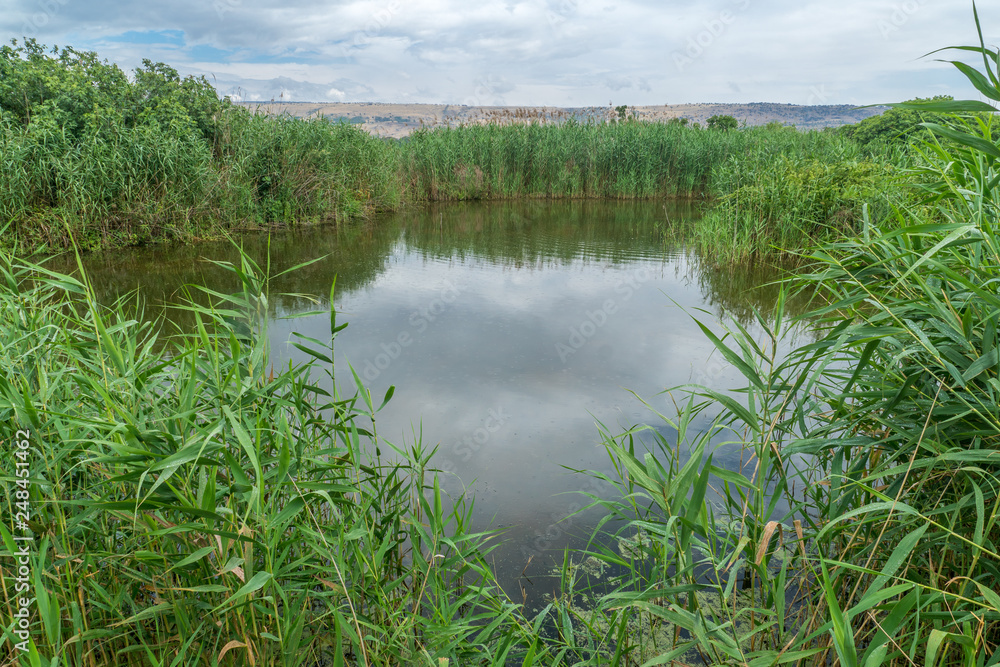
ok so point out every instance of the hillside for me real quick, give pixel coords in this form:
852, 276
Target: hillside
399, 120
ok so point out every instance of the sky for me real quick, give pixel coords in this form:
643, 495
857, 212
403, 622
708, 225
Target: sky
570, 53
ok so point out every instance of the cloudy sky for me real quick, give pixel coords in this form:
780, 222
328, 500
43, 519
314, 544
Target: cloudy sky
529, 52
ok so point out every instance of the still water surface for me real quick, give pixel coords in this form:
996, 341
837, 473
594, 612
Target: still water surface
509, 330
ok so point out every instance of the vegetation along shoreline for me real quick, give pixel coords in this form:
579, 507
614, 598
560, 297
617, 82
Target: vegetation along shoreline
193, 504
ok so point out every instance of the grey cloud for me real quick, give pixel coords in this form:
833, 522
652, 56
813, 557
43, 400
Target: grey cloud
537, 51
627, 83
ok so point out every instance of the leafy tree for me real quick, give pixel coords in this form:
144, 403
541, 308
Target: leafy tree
81, 94
723, 123
65, 86
624, 113
896, 124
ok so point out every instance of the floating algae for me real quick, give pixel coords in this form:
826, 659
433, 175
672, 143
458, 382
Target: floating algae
591, 566
634, 547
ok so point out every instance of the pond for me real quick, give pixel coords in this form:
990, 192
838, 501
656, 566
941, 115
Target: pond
509, 331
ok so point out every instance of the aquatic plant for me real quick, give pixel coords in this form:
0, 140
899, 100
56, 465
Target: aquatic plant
189, 503
863, 522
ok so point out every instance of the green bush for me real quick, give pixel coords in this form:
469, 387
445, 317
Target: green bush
116, 160
722, 123
83, 95
900, 123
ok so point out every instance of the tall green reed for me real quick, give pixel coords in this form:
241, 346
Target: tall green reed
862, 525
193, 504
765, 189
91, 154
574, 159
111, 161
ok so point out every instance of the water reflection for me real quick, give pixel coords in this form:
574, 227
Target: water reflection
508, 330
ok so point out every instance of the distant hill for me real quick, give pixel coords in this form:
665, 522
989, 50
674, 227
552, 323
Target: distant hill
398, 120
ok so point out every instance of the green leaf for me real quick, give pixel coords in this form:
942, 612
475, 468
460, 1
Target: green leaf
193, 558
284, 461
334, 329
980, 365
287, 513
356, 534
991, 596
388, 395
888, 626
733, 358
843, 635
150, 612
258, 581
934, 642
245, 442
205, 588
696, 504
966, 139
957, 232
366, 395
902, 551
900, 507
235, 469
977, 79
322, 356
734, 407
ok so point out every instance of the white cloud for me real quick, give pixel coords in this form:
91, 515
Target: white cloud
558, 52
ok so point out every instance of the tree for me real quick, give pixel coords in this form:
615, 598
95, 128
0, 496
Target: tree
723, 123
625, 113
82, 94
896, 124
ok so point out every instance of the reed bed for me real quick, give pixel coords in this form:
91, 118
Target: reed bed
192, 504
765, 191
791, 203
863, 526
115, 160
631, 159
